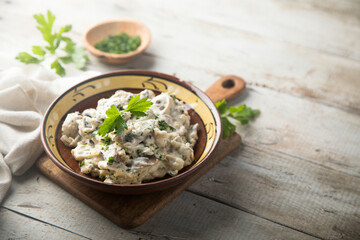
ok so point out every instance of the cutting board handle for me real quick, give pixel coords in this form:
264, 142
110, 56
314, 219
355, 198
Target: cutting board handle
227, 87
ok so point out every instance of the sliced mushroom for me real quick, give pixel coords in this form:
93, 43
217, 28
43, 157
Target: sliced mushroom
70, 126
69, 141
84, 151
162, 104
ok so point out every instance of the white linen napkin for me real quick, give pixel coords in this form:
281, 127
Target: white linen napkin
25, 94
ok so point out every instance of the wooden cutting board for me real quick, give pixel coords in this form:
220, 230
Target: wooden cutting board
129, 211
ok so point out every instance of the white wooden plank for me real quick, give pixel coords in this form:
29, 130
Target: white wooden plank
288, 190
224, 36
306, 23
306, 48
304, 129
187, 217
198, 218
28, 229
261, 58
320, 25
263, 61
34, 195
284, 172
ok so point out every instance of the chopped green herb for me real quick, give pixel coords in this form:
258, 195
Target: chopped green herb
128, 170
82, 163
102, 178
84, 143
106, 140
240, 113
111, 159
163, 125
139, 151
119, 44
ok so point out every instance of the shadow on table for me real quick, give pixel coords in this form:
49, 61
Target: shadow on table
190, 216
145, 61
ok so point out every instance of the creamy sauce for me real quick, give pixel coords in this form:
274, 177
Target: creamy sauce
154, 145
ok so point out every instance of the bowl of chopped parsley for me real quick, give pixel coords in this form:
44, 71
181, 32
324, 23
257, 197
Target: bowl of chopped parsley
117, 41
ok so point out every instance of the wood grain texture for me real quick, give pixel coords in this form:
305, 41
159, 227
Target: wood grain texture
265, 42
197, 218
291, 192
131, 211
304, 129
300, 162
187, 217
25, 231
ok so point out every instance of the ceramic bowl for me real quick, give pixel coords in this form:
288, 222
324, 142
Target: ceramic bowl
111, 27
86, 94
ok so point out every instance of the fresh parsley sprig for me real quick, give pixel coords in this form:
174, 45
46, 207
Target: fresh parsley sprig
70, 52
115, 121
240, 113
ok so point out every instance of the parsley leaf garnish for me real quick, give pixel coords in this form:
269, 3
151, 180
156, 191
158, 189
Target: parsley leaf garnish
115, 121
106, 140
138, 106
240, 113
70, 53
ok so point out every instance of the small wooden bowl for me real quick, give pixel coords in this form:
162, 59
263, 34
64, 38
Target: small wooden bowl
111, 27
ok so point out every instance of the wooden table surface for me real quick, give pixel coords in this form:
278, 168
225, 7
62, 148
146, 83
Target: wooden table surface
297, 174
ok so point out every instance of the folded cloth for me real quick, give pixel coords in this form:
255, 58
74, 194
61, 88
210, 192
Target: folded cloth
25, 94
